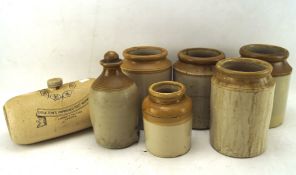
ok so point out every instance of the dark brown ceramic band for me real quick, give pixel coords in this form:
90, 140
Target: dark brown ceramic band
200, 56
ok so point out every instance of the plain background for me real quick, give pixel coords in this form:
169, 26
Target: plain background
59, 38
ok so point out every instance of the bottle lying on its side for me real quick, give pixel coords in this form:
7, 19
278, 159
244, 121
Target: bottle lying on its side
48, 113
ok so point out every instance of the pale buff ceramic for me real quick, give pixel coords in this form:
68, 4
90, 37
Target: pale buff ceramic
277, 56
194, 69
241, 105
48, 113
146, 65
114, 101
167, 119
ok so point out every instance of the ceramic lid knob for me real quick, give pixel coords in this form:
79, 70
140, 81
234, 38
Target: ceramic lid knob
111, 57
55, 82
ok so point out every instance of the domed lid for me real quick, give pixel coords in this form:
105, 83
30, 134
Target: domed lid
111, 59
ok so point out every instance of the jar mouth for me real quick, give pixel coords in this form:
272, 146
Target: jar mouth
145, 53
244, 67
200, 55
266, 52
167, 90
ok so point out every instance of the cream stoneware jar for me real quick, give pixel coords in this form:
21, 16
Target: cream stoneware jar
146, 65
194, 69
113, 102
277, 57
167, 119
241, 105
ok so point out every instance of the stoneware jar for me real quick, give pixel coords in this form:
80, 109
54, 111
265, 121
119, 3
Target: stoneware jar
241, 104
113, 102
167, 119
146, 65
60, 109
195, 69
277, 56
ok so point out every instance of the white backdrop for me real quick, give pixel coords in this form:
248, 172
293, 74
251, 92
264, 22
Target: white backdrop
43, 39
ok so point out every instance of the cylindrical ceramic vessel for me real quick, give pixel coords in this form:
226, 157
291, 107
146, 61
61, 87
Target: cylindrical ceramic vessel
241, 105
167, 119
55, 111
146, 65
277, 56
113, 102
195, 69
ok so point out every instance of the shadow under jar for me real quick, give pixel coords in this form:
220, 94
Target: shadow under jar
167, 119
146, 65
113, 102
277, 57
195, 69
241, 105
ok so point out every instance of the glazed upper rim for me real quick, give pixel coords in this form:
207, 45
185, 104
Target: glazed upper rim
177, 94
184, 56
266, 68
161, 55
272, 53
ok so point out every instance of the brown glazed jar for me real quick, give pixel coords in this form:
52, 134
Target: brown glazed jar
195, 69
277, 57
146, 65
241, 105
167, 119
113, 102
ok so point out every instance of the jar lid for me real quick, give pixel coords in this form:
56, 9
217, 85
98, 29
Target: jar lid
200, 56
111, 59
54, 82
264, 52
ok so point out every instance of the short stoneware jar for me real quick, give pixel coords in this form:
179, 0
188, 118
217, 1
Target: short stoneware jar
113, 102
146, 65
277, 57
195, 69
241, 105
167, 119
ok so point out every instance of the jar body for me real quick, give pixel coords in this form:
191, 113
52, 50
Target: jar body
114, 116
280, 100
240, 114
198, 88
167, 126
48, 113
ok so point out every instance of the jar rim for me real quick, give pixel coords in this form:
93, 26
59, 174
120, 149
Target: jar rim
267, 52
244, 67
200, 55
167, 90
145, 53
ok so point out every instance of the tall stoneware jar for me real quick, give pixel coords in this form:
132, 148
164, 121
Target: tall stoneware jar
146, 65
241, 104
167, 115
277, 56
113, 102
194, 69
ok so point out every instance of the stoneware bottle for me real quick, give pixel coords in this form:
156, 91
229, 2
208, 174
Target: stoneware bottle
113, 102
241, 104
55, 111
167, 119
146, 65
277, 56
194, 69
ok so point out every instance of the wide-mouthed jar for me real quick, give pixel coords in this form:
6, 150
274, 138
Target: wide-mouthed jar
167, 119
277, 57
241, 105
195, 69
146, 65
113, 102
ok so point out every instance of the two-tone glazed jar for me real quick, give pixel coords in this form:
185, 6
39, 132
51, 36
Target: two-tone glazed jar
195, 69
146, 65
241, 105
277, 57
113, 102
167, 119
